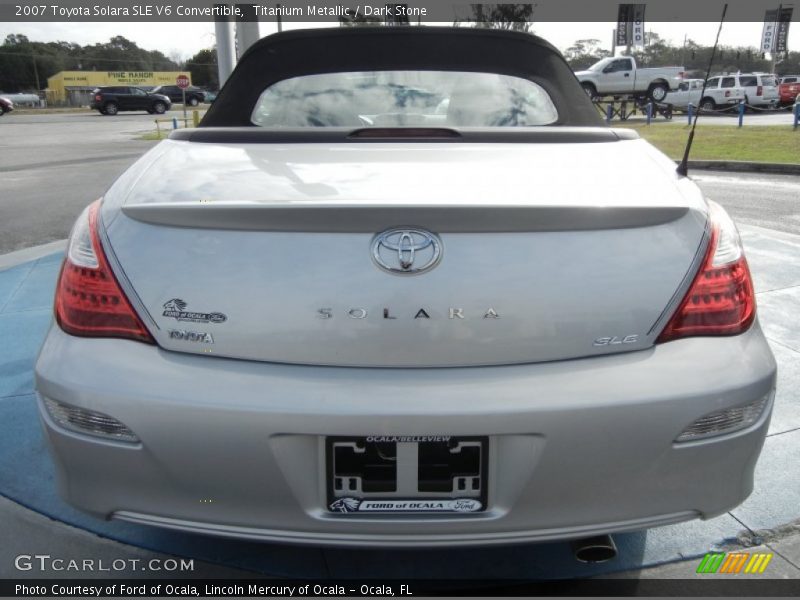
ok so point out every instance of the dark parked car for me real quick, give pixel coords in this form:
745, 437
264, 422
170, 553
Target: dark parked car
194, 96
110, 100
6, 105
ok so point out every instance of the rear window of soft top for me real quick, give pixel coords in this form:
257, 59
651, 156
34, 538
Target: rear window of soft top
404, 99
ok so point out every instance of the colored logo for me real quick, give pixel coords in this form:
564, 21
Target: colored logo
734, 563
457, 505
176, 308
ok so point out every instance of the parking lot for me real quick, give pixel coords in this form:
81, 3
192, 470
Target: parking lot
55, 164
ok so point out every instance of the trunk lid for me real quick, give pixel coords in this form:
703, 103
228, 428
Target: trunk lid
267, 251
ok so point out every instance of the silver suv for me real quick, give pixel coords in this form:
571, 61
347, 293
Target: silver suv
760, 89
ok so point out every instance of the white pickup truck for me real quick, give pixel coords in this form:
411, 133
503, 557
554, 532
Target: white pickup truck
615, 76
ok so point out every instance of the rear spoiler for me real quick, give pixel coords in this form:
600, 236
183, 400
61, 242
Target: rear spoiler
326, 135
330, 217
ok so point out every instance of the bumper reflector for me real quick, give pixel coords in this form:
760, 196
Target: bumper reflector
725, 421
88, 422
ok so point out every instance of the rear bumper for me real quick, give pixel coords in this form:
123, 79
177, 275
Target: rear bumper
761, 101
576, 447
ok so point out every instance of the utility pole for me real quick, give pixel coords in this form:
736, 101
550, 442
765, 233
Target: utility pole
613, 42
247, 28
683, 52
36, 72
226, 47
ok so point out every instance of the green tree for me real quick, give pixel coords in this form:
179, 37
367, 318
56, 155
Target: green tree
26, 65
203, 67
352, 18
584, 53
514, 17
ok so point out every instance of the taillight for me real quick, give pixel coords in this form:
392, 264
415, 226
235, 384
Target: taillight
89, 300
759, 90
98, 97
721, 300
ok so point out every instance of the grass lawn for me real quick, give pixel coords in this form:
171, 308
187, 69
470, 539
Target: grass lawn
724, 142
767, 144
154, 135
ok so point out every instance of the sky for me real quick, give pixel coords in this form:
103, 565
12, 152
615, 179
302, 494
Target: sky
185, 40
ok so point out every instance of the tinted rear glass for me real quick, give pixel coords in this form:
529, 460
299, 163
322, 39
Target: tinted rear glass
748, 81
404, 99
768, 80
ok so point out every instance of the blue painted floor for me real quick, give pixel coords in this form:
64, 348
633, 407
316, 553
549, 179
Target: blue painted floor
26, 472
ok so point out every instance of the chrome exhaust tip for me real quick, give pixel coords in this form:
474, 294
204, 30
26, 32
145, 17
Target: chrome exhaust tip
593, 550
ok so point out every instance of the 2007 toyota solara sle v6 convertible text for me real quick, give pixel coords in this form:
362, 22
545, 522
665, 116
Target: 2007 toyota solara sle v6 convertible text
404, 287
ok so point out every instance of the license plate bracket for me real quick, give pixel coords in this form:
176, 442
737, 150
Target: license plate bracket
406, 474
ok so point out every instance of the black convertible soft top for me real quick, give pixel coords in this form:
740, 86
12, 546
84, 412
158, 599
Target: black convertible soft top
313, 51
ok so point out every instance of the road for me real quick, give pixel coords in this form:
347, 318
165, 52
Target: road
771, 201
54, 165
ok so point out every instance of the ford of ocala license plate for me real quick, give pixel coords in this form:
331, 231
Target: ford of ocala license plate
406, 474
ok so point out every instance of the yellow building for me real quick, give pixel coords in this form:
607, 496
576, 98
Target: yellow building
75, 87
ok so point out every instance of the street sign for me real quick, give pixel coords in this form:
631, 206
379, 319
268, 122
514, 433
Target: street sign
182, 81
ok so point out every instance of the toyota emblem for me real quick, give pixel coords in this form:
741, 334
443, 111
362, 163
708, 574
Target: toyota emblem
405, 250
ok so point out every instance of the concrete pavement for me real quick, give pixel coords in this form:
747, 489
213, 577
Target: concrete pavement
38, 535
53, 165
44, 139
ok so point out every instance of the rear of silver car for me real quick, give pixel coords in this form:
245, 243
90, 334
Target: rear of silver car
761, 90
405, 336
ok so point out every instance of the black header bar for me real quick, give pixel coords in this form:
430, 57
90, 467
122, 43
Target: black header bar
334, 11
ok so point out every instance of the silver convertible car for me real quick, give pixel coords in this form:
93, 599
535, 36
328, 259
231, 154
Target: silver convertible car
404, 287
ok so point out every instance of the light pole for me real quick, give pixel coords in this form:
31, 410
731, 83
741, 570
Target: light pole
247, 29
226, 48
